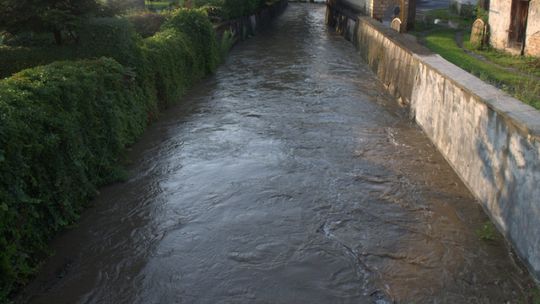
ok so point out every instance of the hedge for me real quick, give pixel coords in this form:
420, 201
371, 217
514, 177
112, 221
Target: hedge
64, 127
183, 52
147, 23
119, 37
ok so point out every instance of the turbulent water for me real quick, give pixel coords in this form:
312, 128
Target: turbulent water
290, 176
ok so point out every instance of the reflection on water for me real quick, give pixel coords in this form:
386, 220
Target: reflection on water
288, 177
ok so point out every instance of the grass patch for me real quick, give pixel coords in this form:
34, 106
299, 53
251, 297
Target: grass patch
487, 232
523, 87
444, 16
525, 64
519, 76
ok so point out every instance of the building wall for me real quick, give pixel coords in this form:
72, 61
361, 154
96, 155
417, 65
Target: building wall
532, 44
499, 22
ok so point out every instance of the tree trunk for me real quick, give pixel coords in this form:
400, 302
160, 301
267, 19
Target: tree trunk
58, 37
411, 15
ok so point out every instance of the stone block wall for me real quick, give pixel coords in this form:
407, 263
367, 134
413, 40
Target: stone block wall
499, 23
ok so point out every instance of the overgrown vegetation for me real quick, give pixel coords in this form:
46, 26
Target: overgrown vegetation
488, 232
68, 116
147, 23
113, 37
65, 125
57, 17
163, 5
62, 130
517, 75
227, 42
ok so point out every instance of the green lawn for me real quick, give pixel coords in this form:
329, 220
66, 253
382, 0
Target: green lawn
517, 75
524, 64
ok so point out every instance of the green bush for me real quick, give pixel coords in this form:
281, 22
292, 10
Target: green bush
111, 37
62, 129
116, 38
182, 53
230, 9
199, 30
15, 59
147, 23
227, 42
64, 126
108, 36
174, 59
238, 8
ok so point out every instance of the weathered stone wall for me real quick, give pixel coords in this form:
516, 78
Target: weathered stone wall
532, 44
490, 139
499, 22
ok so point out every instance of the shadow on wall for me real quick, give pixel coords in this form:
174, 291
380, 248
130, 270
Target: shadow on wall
507, 160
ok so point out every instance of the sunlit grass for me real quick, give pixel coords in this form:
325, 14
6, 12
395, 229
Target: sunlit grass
517, 75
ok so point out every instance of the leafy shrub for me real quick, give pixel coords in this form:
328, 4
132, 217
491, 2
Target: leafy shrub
63, 126
176, 64
108, 36
147, 23
238, 8
15, 59
112, 37
227, 42
199, 30
62, 129
201, 3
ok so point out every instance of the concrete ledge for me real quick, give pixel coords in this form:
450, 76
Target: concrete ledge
490, 139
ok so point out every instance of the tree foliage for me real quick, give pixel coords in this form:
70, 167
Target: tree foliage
64, 126
54, 16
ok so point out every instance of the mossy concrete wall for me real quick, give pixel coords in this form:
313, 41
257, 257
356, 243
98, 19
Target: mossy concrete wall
490, 139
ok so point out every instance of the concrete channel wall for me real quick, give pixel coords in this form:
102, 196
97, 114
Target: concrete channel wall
490, 139
245, 26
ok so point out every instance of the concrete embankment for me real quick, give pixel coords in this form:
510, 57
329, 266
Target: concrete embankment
490, 139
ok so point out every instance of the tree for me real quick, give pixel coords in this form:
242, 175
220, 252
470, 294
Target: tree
125, 5
54, 16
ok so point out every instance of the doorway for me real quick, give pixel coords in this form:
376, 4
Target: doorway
518, 23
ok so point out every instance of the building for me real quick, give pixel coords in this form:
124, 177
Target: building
515, 26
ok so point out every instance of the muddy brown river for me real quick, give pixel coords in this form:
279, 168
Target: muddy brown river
289, 176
